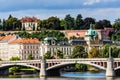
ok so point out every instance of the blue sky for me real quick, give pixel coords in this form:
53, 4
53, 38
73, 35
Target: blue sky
98, 9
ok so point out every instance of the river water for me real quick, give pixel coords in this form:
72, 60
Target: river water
64, 76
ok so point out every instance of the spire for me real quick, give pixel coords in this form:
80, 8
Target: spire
91, 25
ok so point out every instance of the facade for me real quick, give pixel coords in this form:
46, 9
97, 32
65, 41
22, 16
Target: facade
4, 47
51, 44
12, 46
103, 33
29, 23
24, 47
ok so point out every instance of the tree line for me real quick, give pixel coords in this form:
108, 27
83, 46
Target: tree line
55, 23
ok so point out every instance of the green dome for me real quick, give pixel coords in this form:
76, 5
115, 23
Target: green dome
49, 38
91, 33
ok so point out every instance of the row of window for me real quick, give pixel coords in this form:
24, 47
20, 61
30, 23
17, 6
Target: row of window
31, 51
31, 47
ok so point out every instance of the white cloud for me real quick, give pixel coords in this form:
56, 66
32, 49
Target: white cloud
91, 2
99, 14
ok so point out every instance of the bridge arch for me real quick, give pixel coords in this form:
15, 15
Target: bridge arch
117, 68
19, 64
64, 64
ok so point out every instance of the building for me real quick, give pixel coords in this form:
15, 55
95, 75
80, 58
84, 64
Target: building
4, 47
52, 45
14, 46
103, 33
24, 47
29, 23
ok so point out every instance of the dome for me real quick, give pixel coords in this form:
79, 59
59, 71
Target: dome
91, 33
49, 38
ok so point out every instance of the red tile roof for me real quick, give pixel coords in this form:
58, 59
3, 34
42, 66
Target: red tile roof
29, 19
25, 41
6, 38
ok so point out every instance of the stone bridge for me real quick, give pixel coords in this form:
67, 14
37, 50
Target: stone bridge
108, 64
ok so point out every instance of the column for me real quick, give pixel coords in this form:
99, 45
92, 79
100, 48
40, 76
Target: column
110, 68
43, 68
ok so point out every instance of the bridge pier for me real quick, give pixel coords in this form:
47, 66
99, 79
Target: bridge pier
43, 68
110, 68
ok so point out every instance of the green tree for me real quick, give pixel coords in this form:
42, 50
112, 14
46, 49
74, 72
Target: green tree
94, 53
79, 22
87, 22
59, 54
14, 58
105, 51
30, 57
53, 23
81, 67
115, 51
12, 23
47, 55
79, 52
70, 22
62, 24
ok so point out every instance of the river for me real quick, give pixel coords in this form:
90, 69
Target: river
64, 76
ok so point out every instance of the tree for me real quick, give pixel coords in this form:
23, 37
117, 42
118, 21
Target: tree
94, 53
79, 52
79, 22
88, 21
105, 51
62, 24
12, 23
115, 51
81, 67
30, 57
116, 24
53, 23
69, 21
47, 55
59, 54
14, 58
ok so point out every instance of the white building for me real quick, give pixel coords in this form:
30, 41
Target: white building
4, 47
14, 46
29, 23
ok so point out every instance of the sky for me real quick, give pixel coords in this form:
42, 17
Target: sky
43, 9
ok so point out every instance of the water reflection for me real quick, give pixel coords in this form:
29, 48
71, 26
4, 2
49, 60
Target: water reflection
110, 78
43, 78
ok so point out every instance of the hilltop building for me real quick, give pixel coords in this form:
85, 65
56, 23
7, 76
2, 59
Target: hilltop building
29, 23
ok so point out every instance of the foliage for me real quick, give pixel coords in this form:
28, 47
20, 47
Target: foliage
105, 51
14, 69
14, 58
30, 57
115, 52
79, 52
59, 54
12, 23
69, 22
79, 22
41, 35
47, 55
94, 53
81, 67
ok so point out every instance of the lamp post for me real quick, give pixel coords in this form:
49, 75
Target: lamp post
110, 52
